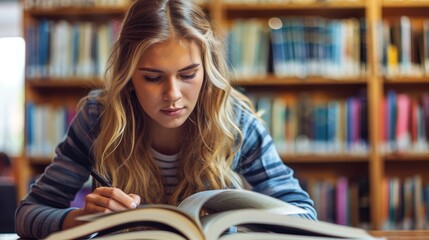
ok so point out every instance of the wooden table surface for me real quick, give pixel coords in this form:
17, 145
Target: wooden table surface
402, 235
389, 235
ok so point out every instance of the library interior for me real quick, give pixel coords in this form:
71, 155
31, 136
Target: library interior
342, 86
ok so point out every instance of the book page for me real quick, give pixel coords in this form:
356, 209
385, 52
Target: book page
194, 203
271, 236
216, 224
150, 215
149, 234
229, 199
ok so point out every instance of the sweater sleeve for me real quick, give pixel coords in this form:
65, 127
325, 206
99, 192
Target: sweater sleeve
260, 164
43, 210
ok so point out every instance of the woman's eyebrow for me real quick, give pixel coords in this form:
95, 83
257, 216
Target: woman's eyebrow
150, 70
159, 71
189, 67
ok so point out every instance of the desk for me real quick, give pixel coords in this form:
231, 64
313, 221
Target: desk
402, 235
390, 235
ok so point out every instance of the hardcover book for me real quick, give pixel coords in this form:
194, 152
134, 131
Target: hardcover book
211, 215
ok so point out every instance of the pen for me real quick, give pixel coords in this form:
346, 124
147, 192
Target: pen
100, 179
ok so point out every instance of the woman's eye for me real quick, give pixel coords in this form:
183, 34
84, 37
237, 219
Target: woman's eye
187, 76
152, 79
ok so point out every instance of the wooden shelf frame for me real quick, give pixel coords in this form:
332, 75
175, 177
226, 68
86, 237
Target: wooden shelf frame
221, 13
288, 6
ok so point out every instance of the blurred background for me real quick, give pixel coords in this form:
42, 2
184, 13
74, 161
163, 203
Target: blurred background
343, 87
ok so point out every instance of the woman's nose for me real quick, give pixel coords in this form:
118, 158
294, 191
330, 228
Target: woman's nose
172, 90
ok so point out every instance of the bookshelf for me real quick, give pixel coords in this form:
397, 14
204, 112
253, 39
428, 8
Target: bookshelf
56, 77
319, 165
406, 163
322, 169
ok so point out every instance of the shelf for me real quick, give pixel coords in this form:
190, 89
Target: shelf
324, 9
84, 11
287, 6
64, 83
323, 158
411, 8
405, 4
396, 157
76, 11
328, 10
272, 80
406, 80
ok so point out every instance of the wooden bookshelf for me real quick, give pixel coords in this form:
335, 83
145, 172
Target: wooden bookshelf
290, 81
54, 91
324, 158
405, 4
302, 6
77, 11
374, 165
53, 83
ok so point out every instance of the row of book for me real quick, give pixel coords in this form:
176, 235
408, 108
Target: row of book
404, 121
346, 201
302, 125
405, 47
298, 47
406, 203
248, 48
47, 4
342, 200
63, 49
45, 127
298, 125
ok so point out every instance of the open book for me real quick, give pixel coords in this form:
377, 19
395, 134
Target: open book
211, 215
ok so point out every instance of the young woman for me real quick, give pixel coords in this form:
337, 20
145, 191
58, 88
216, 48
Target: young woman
166, 124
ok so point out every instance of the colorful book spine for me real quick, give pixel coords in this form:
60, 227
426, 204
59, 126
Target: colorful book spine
403, 138
342, 201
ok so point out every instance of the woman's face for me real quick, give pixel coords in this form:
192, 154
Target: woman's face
168, 80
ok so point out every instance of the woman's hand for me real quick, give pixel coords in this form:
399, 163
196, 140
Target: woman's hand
102, 199
107, 199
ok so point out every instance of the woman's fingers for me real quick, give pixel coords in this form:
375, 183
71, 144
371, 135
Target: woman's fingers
95, 203
111, 199
137, 198
92, 207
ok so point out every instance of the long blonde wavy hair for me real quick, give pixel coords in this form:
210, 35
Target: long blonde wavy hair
122, 148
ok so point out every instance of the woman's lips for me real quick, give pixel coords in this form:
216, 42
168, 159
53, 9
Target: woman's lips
172, 111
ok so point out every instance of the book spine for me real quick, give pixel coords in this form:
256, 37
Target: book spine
403, 139
426, 46
278, 46
342, 201
425, 109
